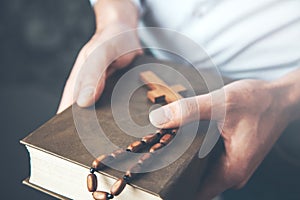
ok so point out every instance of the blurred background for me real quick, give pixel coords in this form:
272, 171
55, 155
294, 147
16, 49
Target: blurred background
39, 42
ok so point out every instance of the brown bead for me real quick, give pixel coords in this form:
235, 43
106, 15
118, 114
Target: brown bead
145, 159
174, 131
118, 153
98, 163
100, 195
133, 171
92, 182
118, 187
166, 139
156, 147
160, 132
150, 139
135, 146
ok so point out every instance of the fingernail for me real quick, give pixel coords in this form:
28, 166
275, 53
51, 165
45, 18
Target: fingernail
160, 116
85, 96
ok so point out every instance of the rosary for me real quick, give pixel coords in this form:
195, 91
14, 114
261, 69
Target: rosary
159, 92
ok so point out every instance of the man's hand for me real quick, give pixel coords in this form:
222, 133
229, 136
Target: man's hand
257, 112
104, 53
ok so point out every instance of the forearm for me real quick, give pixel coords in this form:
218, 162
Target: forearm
287, 93
109, 12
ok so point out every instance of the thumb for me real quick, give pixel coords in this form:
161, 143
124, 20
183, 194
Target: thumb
86, 81
181, 112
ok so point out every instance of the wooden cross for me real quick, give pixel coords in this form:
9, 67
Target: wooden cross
159, 90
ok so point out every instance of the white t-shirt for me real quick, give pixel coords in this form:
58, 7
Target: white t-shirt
244, 38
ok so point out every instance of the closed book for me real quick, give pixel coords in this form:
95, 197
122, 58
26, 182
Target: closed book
62, 150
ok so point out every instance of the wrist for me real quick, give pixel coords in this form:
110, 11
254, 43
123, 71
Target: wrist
115, 13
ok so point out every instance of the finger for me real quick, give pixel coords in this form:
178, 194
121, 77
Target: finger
123, 61
89, 84
86, 81
181, 112
95, 71
215, 180
225, 171
68, 97
85, 78
126, 59
70, 92
91, 78
66, 100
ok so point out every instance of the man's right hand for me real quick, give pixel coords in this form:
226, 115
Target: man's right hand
108, 50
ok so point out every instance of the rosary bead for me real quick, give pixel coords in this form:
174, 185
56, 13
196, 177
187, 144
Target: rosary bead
156, 147
92, 170
135, 146
92, 182
118, 187
118, 153
161, 132
174, 131
98, 163
126, 178
101, 195
145, 159
109, 196
164, 136
133, 171
166, 139
150, 139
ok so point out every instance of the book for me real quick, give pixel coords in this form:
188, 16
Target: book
60, 159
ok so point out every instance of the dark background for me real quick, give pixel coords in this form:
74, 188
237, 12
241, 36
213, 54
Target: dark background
39, 41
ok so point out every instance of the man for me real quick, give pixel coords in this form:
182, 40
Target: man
246, 39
